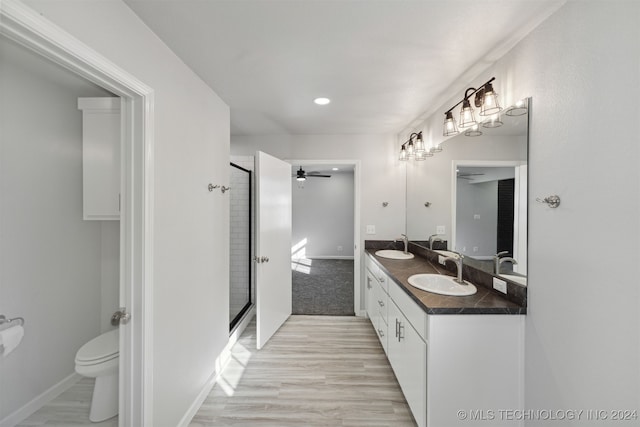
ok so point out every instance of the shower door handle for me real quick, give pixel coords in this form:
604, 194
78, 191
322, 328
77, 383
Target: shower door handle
261, 259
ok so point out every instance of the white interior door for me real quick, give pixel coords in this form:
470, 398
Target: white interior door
273, 245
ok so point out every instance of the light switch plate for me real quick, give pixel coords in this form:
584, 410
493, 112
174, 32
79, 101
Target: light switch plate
500, 285
371, 229
440, 229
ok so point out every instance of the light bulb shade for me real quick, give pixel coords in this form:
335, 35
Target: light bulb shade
473, 131
410, 149
493, 122
301, 178
436, 149
403, 155
420, 156
450, 127
467, 118
419, 144
520, 109
490, 103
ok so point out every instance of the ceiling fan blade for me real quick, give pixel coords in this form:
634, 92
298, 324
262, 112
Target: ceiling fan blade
309, 175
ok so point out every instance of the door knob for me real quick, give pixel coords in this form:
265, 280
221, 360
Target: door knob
258, 259
120, 317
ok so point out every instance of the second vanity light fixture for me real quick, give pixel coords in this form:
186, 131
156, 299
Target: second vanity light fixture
486, 99
414, 148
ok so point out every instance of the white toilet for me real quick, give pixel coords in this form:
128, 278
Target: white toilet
99, 359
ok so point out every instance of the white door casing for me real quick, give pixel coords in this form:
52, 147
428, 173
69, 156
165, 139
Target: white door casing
23, 25
273, 254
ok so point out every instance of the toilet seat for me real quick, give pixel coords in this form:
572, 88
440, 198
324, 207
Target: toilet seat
101, 349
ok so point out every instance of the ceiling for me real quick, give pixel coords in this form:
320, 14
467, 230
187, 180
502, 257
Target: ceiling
383, 63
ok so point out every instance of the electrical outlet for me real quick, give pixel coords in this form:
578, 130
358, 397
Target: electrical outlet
340, 248
371, 229
440, 229
476, 216
475, 249
500, 285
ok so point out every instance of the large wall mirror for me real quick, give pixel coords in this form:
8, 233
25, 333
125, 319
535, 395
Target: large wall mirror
473, 195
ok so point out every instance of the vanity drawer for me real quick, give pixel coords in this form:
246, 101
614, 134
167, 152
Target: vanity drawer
372, 266
412, 311
377, 272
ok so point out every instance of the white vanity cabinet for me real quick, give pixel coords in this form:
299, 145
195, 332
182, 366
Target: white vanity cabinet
101, 136
454, 369
408, 357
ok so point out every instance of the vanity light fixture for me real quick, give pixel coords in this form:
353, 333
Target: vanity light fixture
413, 148
485, 98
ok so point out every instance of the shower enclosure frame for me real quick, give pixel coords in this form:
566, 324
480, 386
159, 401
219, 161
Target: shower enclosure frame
238, 317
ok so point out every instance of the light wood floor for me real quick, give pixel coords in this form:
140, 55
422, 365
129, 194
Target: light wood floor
70, 409
315, 371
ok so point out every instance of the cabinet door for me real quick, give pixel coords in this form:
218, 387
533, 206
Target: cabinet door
408, 356
370, 298
100, 158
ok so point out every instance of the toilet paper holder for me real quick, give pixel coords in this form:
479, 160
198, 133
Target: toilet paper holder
7, 323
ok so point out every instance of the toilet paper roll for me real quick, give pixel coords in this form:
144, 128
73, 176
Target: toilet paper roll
10, 338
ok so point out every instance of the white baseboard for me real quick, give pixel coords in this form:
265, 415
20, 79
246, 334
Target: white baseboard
221, 363
39, 401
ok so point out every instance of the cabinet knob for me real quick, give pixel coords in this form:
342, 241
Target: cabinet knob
381, 303
381, 332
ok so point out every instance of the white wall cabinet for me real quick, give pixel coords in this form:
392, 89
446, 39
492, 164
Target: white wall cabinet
101, 136
454, 370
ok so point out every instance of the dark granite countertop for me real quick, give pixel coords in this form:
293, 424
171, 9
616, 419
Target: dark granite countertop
485, 301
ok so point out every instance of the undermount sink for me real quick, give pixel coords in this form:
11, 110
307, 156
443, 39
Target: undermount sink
393, 254
522, 280
440, 284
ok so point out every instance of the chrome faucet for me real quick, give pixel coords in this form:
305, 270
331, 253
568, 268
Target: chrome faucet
496, 261
458, 262
405, 240
505, 259
434, 238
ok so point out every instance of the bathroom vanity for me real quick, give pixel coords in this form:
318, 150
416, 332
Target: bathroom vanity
458, 360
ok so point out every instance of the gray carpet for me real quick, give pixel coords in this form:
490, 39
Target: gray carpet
323, 286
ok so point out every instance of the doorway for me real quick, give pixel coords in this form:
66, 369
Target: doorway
32, 31
324, 262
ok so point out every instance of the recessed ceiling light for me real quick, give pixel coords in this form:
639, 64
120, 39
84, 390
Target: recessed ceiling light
322, 101
334, 169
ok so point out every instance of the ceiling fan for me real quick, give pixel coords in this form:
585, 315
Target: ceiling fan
302, 175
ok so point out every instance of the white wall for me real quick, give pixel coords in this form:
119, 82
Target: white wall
583, 327
191, 242
52, 269
382, 175
323, 215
